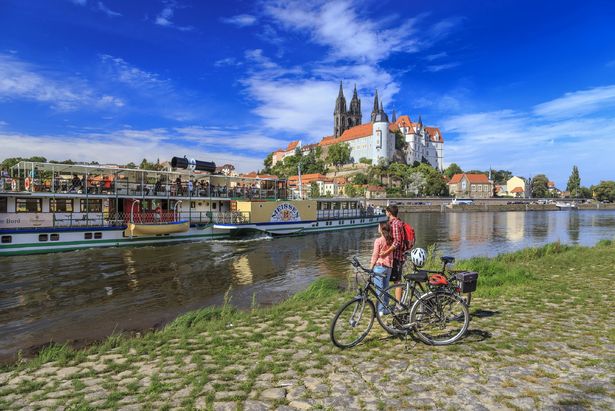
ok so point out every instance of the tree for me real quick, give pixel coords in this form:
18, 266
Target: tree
604, 191
359, 178
339, 154
131, 165
540, 186
364, 160
314, 190
349, 190
574, 182
400, 140
452, 169
585, 192
268, 163
501, 176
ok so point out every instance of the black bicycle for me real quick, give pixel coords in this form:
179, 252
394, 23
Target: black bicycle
438, 317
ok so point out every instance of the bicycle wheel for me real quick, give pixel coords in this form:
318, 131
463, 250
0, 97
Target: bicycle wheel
352, 322
394, 317
440, 318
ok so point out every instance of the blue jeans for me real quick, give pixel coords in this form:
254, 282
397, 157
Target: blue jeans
381, 284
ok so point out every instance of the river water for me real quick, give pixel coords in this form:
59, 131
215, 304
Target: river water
86, 295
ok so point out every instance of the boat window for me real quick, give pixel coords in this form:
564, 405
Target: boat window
213, 205
29, 205
87, 236
54, 237
97, 236
6, 239
92, 205
319, 205
3, 206
61, 205
336, 205
43, 237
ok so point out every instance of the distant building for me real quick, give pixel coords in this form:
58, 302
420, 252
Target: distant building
227, 170
376, 140
281, 154
518, 192
517, 186
470, 186
372, 192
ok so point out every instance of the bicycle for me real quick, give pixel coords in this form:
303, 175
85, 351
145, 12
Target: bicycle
429, 317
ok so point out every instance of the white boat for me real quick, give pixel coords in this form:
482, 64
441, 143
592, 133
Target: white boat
566, 206
47, 207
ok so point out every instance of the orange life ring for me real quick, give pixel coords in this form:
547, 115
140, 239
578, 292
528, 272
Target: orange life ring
14, 185
27, 184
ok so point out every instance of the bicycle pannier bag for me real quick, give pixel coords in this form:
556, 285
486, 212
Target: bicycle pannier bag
467, 281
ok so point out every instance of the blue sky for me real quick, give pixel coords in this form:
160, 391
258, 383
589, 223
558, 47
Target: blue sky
521, 85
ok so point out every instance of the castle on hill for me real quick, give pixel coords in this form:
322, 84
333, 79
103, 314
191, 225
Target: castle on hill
375, 140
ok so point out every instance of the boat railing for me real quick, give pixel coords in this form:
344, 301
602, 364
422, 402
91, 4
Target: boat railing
216, 217
348, 213
124, 187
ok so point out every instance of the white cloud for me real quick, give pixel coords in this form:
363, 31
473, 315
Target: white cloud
241, 20
530, 144
23, 81
107, 11
122, 71
229, 61
434, 68
299, 100
125, 145
578, 103
432, 57
166, 14
337, 26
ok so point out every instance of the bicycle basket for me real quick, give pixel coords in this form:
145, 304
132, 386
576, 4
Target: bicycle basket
467, 281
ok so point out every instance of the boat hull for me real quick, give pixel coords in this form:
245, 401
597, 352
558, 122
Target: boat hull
70, 239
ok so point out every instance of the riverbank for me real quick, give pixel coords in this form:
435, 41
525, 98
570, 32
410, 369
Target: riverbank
495, 206
542, 335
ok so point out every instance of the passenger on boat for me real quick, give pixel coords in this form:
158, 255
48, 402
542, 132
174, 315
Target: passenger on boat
76, 183
178, 184
158, 186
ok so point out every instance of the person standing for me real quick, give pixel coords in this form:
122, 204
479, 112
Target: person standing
382, 265
397, 247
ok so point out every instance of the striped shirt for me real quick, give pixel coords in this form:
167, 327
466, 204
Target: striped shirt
397, 229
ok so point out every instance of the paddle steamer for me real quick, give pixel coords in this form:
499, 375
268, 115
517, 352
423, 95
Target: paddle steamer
49, 207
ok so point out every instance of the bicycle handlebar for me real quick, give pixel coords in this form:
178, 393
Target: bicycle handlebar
357, 264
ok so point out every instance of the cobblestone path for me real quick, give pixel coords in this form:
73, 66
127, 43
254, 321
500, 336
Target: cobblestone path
546, 347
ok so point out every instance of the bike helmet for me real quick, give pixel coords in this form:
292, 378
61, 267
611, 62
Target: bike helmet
437, 279
418, 257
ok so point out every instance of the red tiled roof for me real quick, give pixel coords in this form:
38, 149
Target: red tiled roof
253, 174
472, 178
375, 188
434, 134
551, 184
292, 145
455, 179
517, 190
307, 178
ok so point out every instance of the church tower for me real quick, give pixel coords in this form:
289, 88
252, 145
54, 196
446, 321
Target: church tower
339, 115
355, 109
376, 109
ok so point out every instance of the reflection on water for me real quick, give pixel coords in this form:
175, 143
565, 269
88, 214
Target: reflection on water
89, 294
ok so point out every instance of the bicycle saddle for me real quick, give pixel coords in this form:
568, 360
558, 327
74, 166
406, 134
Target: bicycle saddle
447, 260
420, 276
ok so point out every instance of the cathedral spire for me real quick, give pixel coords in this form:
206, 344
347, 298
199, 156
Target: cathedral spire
341, 93
376, 108
394, 117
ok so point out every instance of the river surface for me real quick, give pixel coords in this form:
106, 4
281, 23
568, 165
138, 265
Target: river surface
82, 296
